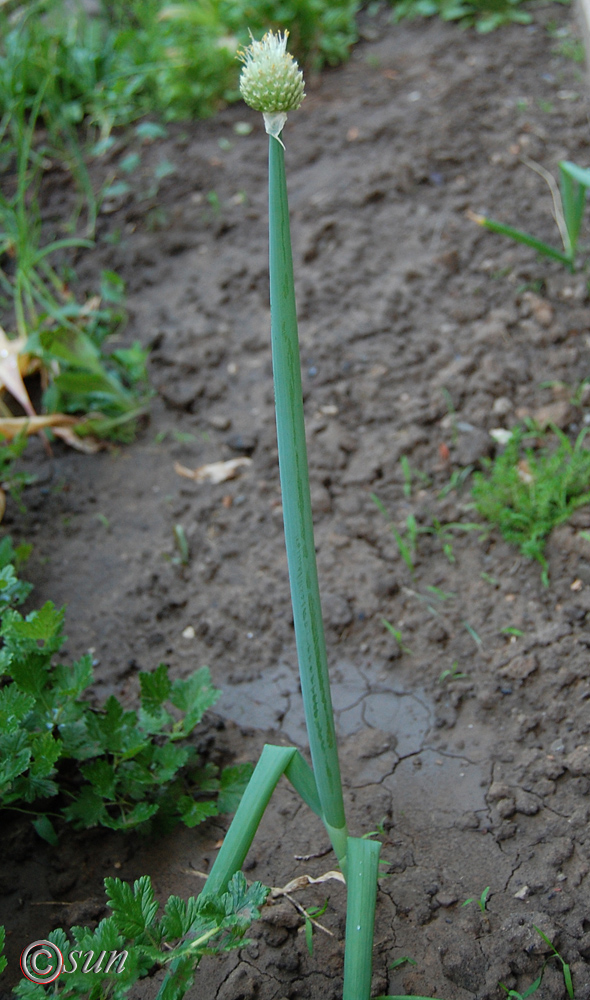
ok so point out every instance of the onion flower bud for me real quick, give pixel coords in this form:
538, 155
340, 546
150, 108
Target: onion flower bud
271, 80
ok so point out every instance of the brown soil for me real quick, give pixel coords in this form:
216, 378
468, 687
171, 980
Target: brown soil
479, 781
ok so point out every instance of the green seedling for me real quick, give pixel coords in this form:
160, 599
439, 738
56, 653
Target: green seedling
528, 492
397, 635
452, 414
310, 916
406, 548
379, 831
410, 475
567, 973
534, 986
182, 545
481, 902
457, 481
407, 476
11, 481
404, 960
511, 630
568, 203
185, 437
476, 638
489, 579
527, 993
452, 674
103, 519
441, 595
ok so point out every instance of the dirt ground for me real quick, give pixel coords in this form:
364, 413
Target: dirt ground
420, 333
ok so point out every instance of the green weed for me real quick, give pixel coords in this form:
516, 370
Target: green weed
476, 638
481, 901
569, 202
129, 765
512, 631
140, 942
12, 481
151, 56
452, 674
181, 542
407, 541
411, 475
527, 493
310, 917
397, 635
457, 481
485, 15
534, 986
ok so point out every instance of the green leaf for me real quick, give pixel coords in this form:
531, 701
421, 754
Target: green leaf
45, 829
84, 383
133, 909
116, 729
179, 981
15, 753
46, 751
155, 688
31, 787
567, 975
112, 286
243, 902
150, 130
43, 627
194, 696
167, 760
192, 813
87, 810
402, 961
152, 723
71, 346
102, 777
232, 783
15, 705
140, 813
179, 916
71, 681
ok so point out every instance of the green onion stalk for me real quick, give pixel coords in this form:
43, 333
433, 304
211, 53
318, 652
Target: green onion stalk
272, 83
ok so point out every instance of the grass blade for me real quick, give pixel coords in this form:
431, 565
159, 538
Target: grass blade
362, 874
299, 540
520, 237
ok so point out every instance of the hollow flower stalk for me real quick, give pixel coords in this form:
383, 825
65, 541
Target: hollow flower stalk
272, 82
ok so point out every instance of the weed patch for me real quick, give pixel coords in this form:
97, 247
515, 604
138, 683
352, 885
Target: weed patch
528, 492
131, 767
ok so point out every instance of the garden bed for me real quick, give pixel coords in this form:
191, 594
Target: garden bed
420, 334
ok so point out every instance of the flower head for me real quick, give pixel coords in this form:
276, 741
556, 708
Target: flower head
271, 80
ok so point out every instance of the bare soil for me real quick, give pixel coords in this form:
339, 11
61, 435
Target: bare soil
420, 333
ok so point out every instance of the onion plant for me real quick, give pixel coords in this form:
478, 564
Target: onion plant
272, 83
